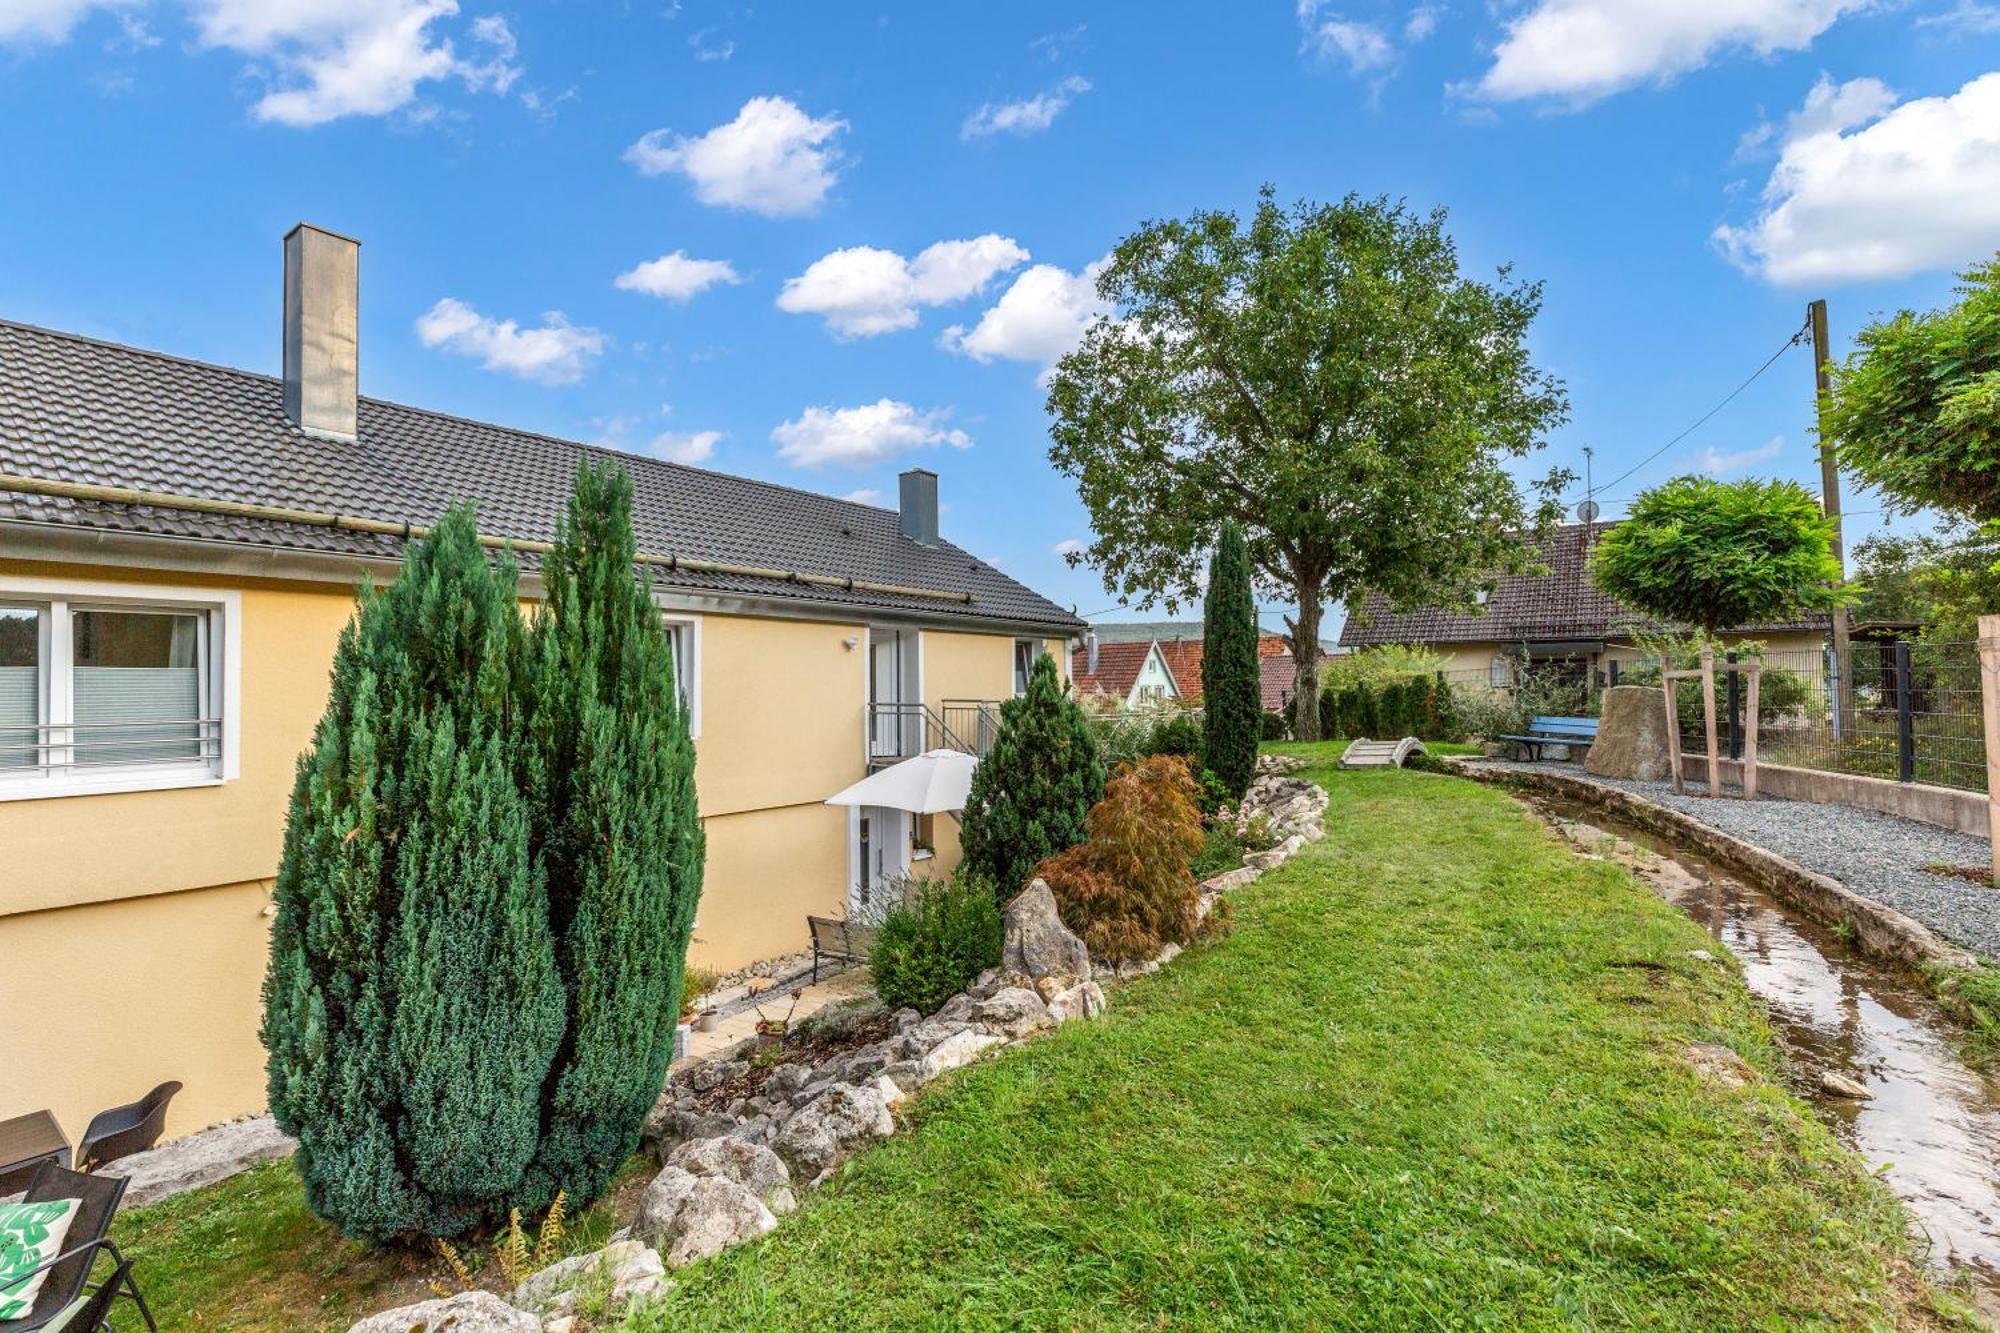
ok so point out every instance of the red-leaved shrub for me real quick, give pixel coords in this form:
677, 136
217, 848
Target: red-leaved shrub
1128, 890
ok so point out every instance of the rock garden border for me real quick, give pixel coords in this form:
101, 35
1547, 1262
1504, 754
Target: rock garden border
729, 1174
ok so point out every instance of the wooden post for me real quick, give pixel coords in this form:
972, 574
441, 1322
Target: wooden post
1673, 724
1708, 719
1756, 670
1989, 699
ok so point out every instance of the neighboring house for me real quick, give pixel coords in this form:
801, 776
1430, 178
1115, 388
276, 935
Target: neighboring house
164, 658
1558, 618
1180, 649
1124, 675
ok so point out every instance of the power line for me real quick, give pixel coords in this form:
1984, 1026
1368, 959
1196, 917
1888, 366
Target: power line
1791, 342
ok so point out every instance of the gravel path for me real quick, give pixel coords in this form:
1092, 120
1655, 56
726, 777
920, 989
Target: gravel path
1879, 856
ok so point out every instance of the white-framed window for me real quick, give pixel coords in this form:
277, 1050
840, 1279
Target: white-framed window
1025, 653
684, 638
115, 687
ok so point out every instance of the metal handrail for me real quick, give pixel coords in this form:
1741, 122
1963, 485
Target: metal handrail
199, 741
930, 722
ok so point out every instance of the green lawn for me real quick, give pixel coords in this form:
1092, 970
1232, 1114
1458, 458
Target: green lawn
1434, 1078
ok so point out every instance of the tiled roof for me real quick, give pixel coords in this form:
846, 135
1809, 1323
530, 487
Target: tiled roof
1561, 604
1118, 668
1278, 675
1183, 658
78, 410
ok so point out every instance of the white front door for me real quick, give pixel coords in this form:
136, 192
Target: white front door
882, 861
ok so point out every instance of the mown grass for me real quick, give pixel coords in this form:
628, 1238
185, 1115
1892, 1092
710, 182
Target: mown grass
1434, 1078
248, 1254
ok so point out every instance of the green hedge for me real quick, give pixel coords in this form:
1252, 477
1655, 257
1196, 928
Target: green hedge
935, 941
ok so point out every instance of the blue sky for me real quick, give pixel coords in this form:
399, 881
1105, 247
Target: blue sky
818, 242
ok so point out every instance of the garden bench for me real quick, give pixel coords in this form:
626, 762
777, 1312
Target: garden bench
844, 940
1577, 732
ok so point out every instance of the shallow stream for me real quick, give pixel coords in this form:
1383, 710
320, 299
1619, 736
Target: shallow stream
1931, 1125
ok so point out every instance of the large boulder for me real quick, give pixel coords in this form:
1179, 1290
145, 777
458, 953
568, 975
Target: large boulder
1036, 942
827, 1130
467, 1312
1014, 1011
629, 1269
750, 1165
1631, 735
661, 1204
1084, 1001
717, 1214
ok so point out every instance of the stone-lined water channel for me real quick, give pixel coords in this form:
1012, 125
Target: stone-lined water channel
1931, 1124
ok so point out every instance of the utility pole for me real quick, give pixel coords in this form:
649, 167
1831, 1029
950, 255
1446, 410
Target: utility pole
1829, 486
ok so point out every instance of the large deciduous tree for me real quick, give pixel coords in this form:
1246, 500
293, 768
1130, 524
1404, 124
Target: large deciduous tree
1328, 378
1034, 789
412, 1002
1232, 696
1720, 554
1915, 411
619, 831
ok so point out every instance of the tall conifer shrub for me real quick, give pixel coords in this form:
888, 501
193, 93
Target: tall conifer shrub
1034, 789
412, 1003
1232, 696
619, 833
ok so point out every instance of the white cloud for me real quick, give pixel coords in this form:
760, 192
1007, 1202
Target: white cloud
863, 291
1581, 50
694, 447
1037, 319
872, 433
675, 277
1968, 16
1717, 464
1067, 547
1363, 47
707, 53
1030, 115
335, 58
556, 352
772, 159
1864, 190
51, 21
867, 495
1423, 21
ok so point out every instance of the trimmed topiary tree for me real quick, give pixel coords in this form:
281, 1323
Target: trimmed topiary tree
1034, 789
1720, 554
1232, 695
618, 829
412, 1004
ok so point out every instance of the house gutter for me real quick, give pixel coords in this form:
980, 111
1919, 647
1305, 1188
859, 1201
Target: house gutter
72, 490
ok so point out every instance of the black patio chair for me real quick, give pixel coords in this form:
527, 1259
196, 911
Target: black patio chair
88, 1237
124, 1130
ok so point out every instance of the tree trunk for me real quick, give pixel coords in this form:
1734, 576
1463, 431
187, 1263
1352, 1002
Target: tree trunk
1305, 652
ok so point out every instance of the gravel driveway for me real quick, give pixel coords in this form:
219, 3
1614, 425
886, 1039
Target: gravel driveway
1880, 856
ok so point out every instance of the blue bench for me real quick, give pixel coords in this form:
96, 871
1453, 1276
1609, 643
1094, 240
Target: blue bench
1578, 732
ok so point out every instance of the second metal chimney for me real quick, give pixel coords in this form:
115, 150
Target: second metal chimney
919, 504
322, 331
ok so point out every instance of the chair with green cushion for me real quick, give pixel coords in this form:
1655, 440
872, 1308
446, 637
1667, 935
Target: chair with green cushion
68, 1300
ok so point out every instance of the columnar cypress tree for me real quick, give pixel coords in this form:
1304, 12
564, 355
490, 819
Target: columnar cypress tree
618, 831
412, 1004
1032, 791
1232, 696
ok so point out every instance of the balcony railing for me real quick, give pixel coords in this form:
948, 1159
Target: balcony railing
899, 731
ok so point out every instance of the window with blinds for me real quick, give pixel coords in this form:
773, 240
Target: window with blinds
91, 695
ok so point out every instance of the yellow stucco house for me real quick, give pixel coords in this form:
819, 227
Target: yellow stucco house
179, 547
1558, 619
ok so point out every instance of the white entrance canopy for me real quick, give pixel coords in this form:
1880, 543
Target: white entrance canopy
934, 782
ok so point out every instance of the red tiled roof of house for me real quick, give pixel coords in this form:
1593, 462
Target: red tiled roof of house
1118, 668
1277, 675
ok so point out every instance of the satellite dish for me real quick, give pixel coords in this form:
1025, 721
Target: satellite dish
1587, 512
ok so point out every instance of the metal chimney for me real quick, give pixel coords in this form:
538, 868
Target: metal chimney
1090, 653
919, 504
322, 334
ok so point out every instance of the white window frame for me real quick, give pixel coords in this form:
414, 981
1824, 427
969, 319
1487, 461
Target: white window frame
221, 653
686, 632
1021, 677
